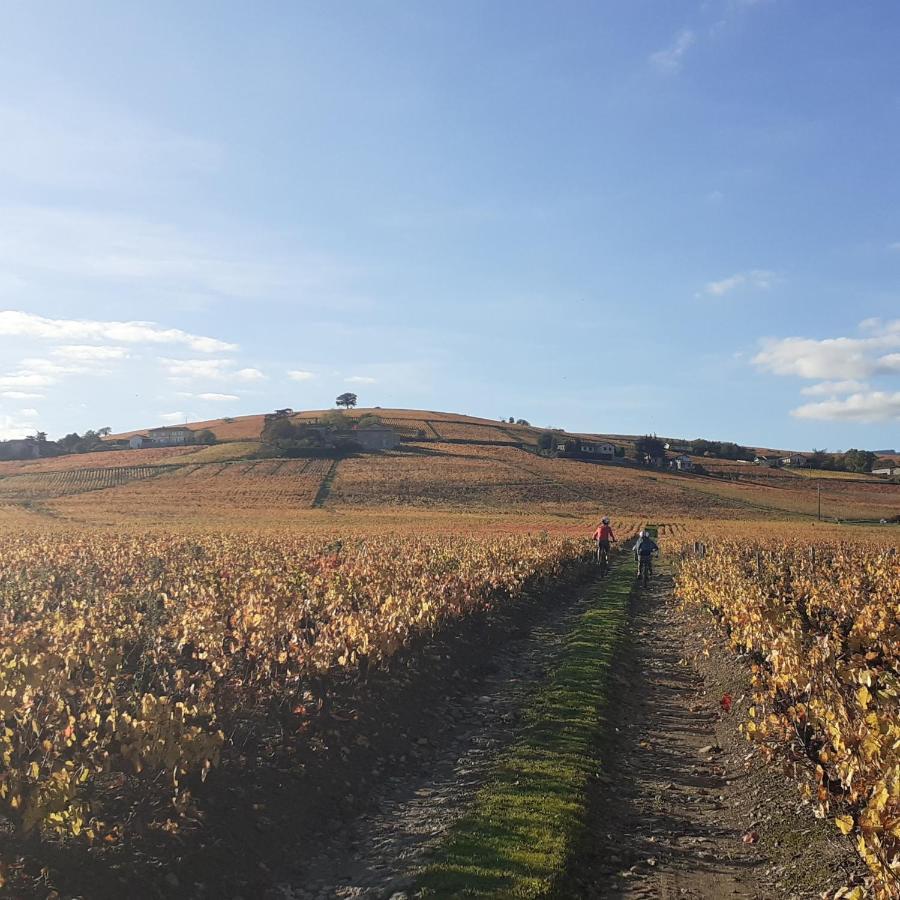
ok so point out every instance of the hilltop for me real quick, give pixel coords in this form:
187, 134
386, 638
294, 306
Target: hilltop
448, 471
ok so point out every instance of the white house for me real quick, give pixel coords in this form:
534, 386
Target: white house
683, 463
136, 441
795, 460
170, 436
887, 470
769, 461
600, 449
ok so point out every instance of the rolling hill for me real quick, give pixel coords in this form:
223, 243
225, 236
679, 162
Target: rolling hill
450, 471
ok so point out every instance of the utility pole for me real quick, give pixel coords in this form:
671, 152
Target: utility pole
820, 502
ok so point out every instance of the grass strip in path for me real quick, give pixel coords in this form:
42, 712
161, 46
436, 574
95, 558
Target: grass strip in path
516, 839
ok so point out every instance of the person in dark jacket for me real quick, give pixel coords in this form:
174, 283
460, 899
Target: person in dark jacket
644, 549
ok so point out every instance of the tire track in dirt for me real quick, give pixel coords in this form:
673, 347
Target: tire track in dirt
375, 854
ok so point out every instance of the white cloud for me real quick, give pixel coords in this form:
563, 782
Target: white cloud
26, 379
15, 323
21, 395
874, 406
761, 279
670, 59
840, 358
839, 365
249, 375
173, 418
13, 429
360, 379
301, 375
208, 370
834, 388
28, 413
88, 352
895, 246
218, 398
195, 368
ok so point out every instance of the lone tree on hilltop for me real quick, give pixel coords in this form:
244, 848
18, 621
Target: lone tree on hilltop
347, 400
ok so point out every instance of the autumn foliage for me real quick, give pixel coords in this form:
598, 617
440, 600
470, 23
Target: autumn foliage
823, 626
131, 658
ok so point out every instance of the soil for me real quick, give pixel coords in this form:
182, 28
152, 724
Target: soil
683, 806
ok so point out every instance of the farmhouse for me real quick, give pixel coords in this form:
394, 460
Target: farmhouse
795, 460
887, 470
769, 461
682, 463
376, 437
600, 449
167, 436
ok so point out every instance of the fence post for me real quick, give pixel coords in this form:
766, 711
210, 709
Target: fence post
759, 563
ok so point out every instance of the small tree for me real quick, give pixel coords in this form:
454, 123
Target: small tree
205, 437
522, 422
650, 447
347, 400
547, 441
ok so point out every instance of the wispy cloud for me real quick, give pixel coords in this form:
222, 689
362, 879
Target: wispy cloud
360, 379
669, 60
64, 141
218, 398
26, 380
249, 374
56, 249
301, 375
21, 395
759, 279
834, 388
215, 369
88, 352
16, 323
173, 418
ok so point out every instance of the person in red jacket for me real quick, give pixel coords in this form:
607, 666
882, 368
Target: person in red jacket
604, 537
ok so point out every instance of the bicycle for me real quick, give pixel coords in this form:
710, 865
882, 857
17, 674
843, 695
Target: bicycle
603, 557
645, 569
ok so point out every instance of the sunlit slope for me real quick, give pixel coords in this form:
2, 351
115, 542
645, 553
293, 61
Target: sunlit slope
437, 477
427, 424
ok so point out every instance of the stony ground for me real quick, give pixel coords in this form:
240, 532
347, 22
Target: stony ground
684, 808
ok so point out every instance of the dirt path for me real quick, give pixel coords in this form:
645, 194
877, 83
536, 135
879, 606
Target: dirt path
683, 808
374, 854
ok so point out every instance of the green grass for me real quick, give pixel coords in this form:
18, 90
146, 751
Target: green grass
516, 839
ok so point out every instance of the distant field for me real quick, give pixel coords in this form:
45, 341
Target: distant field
434, 477
102, 458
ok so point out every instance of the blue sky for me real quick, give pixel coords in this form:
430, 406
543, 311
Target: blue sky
618, 217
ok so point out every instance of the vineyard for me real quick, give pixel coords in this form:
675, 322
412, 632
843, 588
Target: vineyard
822, 622
40, 486
149, 662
